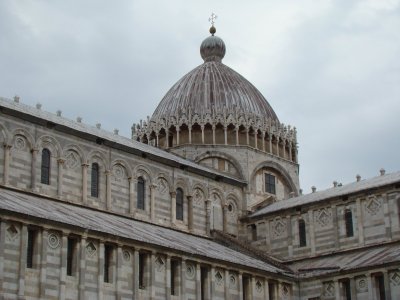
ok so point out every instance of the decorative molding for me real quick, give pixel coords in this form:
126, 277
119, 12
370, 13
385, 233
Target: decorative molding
190, 271
126, 256
373, 205
160, 264
91, 249
361, 284
11, 233
329, 289
53, 240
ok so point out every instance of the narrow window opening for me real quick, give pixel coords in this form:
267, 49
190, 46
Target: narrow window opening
142, 268
95, 181
174, 277
246, 287
108, 252
31, 248
141, 193
45, 168
170, 140
179, 204
346, 291
272, 291
253, 231
302, 233
270, 183
71, 256
380, 285
348, 217
203, 283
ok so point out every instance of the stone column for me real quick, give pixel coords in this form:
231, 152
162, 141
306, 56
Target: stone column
290, 236
247, 137
84, 183
277, 147
198, 282
213, 132
360, 222
190, 134
208, 216
22, 261
82, 268
240, 284
266, 289
387, 218
370, 286
157, 141
173, 207
312, 232
212, 282
263, 140
135, 284
177, 135
225, 218
270, 144
386, 281
2, 246
290, 151
190, 213
335, 236
63, 269
183, 279
6, 170
152, 289
255, 139
60, 163
253, 287
226, 286
100, 275
152, 201
202, 134
119, 278
237, 136
132, 206
226, 135
168, 278
337, 289
108, 190
34, 153
353, 290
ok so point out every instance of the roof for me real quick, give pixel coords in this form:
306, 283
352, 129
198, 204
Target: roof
338, 191
119, 226
214, 88
365, 257
113, 140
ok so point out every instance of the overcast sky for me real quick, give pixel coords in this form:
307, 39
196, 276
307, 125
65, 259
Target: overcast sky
330, 68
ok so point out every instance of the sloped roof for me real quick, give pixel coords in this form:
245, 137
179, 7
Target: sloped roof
86, 131
119, 226
365, 257
338, 191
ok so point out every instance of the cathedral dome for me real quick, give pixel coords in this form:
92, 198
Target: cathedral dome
214, 88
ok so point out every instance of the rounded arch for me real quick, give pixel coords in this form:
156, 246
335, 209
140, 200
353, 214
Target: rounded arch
217, 154
75, 148
144, 171
181, 183
218, 192
25, 134
45, 140
5, 135
202, 188
279, 169
98, 156
124, 164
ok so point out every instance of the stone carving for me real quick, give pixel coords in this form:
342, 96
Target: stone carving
91, 249
361, 284
394, 278
53, 240
198, 197
259, 287
373, 205
19, 143
162, 186
126, 256
279, 227
218, 278
118, 172
329, 289
71, 160
11, 233
159, 263
232, 281
285, 291
324, 217
190, 271
216, 199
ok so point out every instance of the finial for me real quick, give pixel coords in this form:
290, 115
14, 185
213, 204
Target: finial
212, 20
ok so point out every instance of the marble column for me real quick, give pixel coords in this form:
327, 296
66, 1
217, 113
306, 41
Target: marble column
132, 206
226, 135
34, 153
190, 213
173, 207
152, 202
6, 170
60, 163
168, 278
213, 133
82, 268
108, 190
63, 269
22, 261
84, 183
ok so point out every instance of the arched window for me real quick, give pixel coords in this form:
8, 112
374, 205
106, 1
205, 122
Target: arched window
45, 170
179, 204
140, 193
94, 188
302, 233
348, 218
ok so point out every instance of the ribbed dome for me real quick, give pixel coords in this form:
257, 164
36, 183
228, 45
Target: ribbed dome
214, 87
